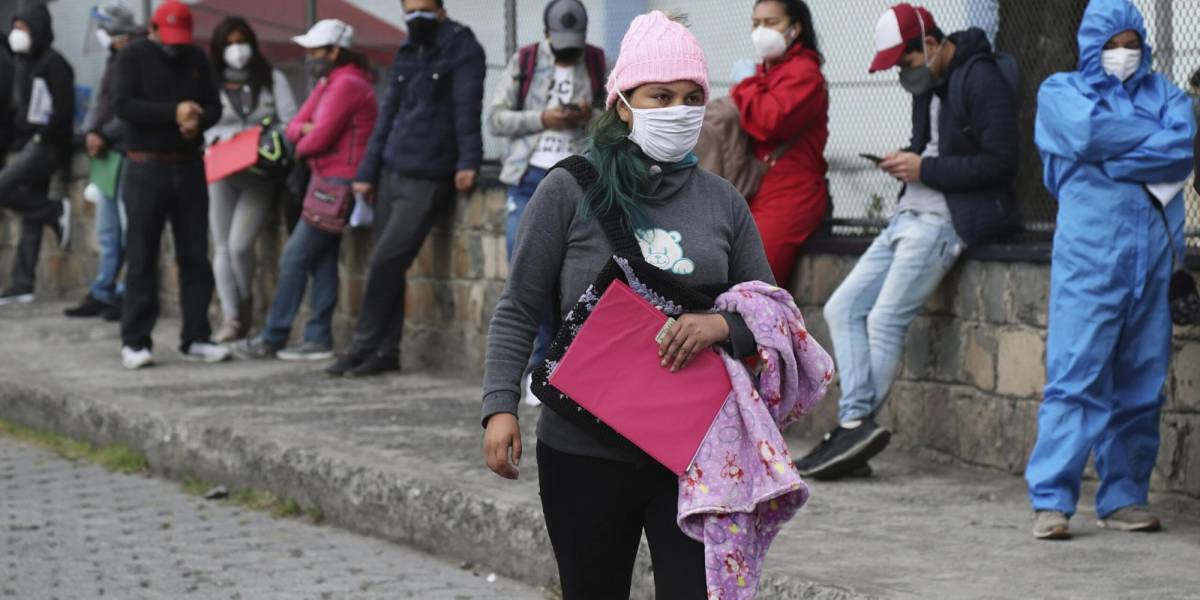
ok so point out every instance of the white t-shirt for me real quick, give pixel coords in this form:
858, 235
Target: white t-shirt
555, 145
918, 196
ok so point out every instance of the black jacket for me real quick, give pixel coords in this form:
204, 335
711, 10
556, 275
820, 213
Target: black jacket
976, 164
148, 87
430, 124
102, 118
45, 63
6, 94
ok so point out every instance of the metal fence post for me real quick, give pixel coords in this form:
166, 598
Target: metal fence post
147, 5
1164, 37
510, 27
310, 12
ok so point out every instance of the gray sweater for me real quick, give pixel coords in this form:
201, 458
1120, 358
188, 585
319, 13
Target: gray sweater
703, 233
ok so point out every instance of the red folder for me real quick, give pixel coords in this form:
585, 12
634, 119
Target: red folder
233, 155
612, 369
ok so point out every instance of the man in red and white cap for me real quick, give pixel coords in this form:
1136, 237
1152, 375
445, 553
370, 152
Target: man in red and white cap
166, 94
956, 175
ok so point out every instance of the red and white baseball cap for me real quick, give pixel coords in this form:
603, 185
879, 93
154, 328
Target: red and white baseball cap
174, 22
898, 26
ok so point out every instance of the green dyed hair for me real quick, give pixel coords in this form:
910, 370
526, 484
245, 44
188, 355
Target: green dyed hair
624, 177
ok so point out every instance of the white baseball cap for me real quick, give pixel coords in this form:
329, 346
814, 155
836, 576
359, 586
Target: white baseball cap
327, 32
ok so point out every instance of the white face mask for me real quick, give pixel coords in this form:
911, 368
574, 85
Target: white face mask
20, 41
1121, 63
666, 135
768, 43
237, 56
104, 39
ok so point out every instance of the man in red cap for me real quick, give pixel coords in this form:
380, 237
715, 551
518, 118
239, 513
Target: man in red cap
167, 96
956, 174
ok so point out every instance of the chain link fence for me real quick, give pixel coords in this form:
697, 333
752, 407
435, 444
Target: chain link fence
868, 113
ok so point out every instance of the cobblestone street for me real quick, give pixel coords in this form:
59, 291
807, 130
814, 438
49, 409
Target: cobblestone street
75, 531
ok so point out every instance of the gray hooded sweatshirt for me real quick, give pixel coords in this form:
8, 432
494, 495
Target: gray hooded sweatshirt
702, 232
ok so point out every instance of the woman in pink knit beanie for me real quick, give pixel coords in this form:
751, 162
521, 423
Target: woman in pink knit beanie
599, 496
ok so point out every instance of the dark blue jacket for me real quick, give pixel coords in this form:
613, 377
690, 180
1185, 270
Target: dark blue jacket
977, 158
430, 124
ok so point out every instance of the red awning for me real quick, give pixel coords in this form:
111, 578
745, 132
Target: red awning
276, 21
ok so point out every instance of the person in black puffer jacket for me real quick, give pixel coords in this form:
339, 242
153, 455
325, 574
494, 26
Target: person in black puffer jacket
41, 136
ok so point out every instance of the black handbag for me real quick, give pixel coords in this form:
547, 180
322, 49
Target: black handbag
662, 289
1183, 295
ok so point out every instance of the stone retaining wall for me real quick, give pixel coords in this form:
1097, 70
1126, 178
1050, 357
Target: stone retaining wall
969, 386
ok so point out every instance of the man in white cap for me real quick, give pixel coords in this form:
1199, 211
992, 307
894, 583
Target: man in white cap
544, 104
957, 174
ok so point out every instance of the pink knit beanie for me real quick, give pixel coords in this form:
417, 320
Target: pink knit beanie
657, 50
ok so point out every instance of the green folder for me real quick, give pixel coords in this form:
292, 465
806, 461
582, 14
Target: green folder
104, 172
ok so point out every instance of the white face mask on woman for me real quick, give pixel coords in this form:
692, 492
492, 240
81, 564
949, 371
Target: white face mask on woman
668, 134
769, 43
237, 56
20, 41
1121, 63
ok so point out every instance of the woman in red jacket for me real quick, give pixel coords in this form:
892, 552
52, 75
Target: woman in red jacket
330, 132
786, 102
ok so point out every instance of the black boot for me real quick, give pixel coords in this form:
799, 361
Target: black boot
89, 307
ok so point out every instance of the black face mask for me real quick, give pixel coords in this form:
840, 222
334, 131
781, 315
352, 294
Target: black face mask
318, 67
423, 30
567, 55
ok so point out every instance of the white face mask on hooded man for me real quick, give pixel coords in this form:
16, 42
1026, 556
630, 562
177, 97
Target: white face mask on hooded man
20, 41
1121, 63
668, 134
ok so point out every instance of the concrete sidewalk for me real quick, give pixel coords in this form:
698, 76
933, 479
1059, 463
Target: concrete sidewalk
399, 458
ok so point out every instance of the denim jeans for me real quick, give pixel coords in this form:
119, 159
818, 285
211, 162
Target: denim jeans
308, 252
871, 310
518, 199
110, 235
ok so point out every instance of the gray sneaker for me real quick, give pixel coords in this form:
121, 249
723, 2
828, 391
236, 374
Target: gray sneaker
306, 352
1132, 518
1050, 525
255, 349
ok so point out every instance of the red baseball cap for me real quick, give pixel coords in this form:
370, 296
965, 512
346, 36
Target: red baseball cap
174, 22
898, 26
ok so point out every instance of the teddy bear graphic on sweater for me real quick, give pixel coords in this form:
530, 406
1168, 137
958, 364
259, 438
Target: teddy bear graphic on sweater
664, 250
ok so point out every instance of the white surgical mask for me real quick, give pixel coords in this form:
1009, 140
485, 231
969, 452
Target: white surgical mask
666, 135
104, 39
1121, 63
20, 41
237, 56
768, 43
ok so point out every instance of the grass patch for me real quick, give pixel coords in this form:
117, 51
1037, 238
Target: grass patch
114, 457
259, 500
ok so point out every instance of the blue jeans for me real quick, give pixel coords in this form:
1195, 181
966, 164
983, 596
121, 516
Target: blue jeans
309, 252
110, 235
871, 310
518, 199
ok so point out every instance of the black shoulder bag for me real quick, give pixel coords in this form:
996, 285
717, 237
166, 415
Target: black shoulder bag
1185, 300
660, 288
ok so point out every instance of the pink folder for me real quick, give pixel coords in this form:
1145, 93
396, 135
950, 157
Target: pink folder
233, 155
613, 370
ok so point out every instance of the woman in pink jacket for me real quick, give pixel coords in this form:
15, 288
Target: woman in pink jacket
330, 132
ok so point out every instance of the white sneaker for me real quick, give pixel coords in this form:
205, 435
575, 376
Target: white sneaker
527, 390
135, 359
206, 353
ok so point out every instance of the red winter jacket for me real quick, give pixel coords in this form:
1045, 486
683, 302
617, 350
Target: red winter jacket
342, 109
778, 104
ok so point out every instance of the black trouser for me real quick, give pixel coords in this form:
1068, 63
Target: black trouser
595, 512
154, 193
405, 210
24, 185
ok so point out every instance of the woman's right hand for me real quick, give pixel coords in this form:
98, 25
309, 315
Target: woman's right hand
503, 433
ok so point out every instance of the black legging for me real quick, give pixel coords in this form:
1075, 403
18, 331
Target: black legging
595, 512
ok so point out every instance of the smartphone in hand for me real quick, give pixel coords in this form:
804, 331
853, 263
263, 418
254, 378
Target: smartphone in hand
872, 158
